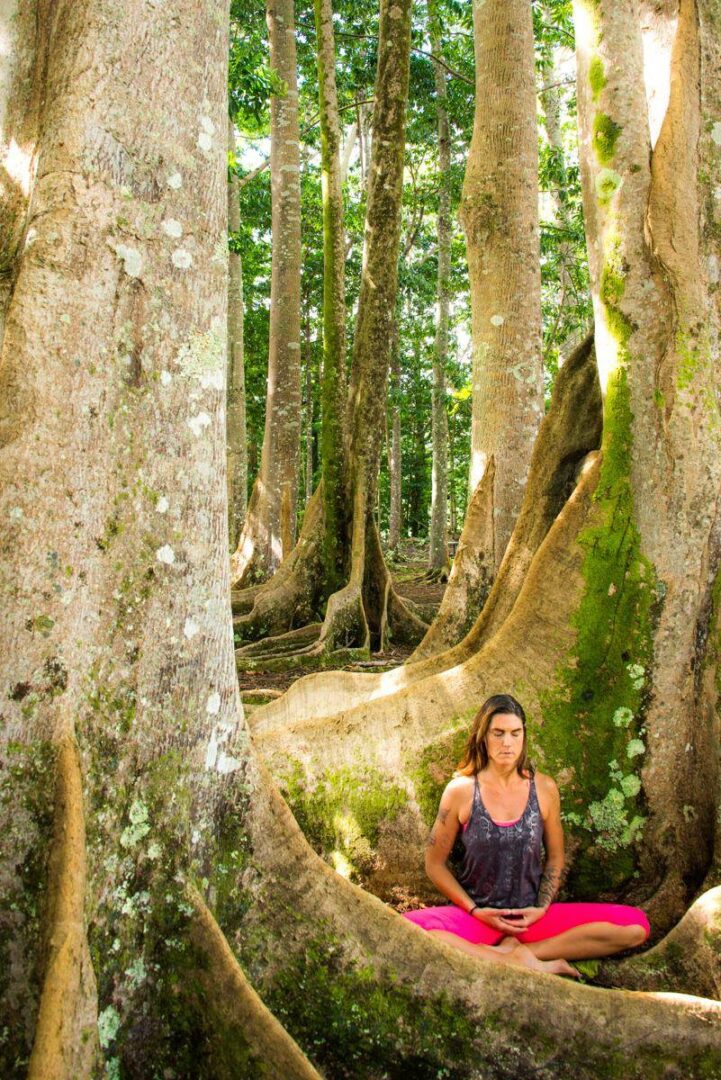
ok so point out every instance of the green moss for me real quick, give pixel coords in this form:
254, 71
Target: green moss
607, 184
342, 814
354, 1025
436, 766
593, 719
605, 136
596, 76
27, 787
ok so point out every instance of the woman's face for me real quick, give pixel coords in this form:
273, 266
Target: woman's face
504, 739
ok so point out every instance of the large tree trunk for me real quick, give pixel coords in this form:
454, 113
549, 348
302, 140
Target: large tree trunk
173, 865
269, 531
236, 425
438, 555
607, 640
499, 212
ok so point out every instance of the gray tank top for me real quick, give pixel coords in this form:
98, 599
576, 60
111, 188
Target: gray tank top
502, 864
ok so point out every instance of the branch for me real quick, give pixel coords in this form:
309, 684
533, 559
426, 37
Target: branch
243, 180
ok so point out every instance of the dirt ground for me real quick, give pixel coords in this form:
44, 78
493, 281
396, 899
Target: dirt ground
408, 571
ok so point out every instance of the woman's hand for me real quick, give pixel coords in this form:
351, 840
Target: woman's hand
521, 918
497, 919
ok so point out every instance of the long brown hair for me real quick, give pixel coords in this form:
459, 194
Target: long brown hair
475, 757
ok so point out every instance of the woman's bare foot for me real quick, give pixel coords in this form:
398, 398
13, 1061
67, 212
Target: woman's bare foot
522, 956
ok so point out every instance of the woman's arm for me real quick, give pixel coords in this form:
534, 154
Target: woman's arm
552, 875
439, 846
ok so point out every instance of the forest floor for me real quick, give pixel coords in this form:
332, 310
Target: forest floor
408, 569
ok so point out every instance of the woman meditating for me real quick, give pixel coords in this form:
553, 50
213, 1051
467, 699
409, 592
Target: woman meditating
502, 905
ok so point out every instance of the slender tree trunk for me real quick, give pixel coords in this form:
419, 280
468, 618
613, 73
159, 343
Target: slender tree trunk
334, 387
452, 523
361, 613
438, 555
395, 472
269, 530
236, 425
308, 470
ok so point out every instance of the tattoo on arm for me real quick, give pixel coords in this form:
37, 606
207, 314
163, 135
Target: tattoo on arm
442, 818
550, 884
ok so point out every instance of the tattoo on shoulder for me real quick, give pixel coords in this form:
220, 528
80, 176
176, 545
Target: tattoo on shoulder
443, 816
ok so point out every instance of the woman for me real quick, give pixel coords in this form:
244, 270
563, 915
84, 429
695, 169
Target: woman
502, 905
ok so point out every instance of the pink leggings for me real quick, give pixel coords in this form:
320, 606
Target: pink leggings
558, 918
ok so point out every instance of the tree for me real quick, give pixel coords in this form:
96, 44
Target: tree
604, 623
150, 870
269, 528
438, 555
499, 211
236, 425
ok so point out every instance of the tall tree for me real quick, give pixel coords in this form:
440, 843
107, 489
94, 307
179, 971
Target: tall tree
499, 211
359, 613
269, 529
236, 425
438, 553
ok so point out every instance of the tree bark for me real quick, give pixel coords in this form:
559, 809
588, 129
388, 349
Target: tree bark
438, 564
499, 211
335, 385
269, 530
236, 423
308, 468
395, 469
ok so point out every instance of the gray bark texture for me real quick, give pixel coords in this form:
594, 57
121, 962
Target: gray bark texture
499, 212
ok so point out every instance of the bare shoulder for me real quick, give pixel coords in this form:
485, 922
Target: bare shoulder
456, 790
544, 782
548, 794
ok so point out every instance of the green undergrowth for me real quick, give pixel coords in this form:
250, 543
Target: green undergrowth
342, 813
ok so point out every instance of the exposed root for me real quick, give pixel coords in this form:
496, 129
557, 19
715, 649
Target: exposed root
447, 691
66, 1039
571, 429
294, 594
687, 960
233, 1003
472, 574
569, 1030
295, 641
